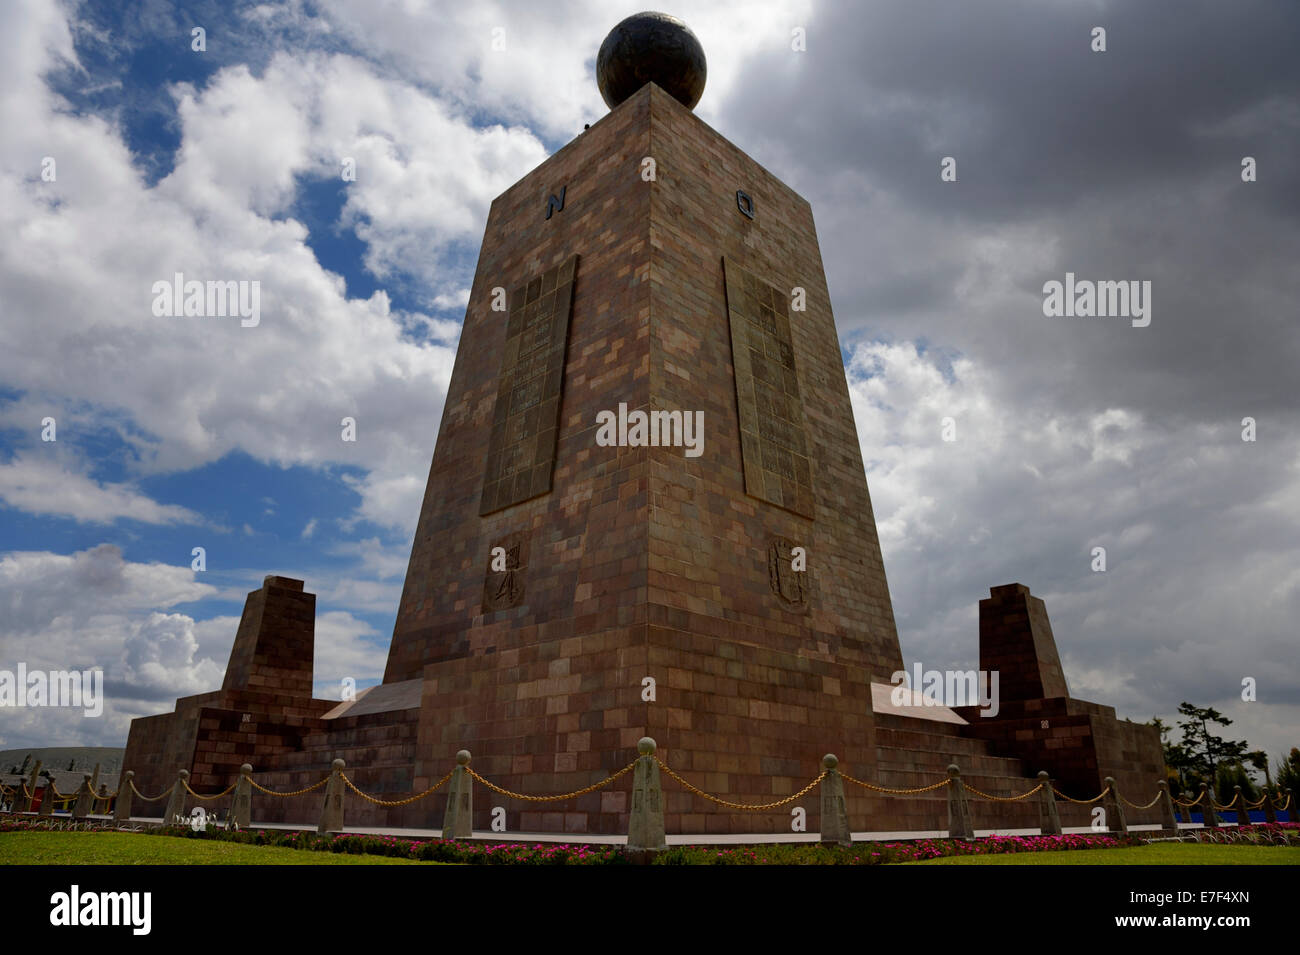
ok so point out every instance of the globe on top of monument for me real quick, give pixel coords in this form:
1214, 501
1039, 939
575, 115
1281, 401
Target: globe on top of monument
651, 48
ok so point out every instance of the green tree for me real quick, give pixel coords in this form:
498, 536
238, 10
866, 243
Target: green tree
1288, 770
1205, 751
1231, 775
1259, 760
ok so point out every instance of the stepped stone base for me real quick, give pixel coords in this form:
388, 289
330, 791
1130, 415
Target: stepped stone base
748, 724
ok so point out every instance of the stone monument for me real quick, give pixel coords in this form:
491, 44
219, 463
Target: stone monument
646, 516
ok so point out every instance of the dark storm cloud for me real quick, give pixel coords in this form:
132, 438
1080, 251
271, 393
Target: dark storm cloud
1123, 165
1037, 120
1128, 161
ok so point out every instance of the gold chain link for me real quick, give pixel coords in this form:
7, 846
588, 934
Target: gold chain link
224, 792
296, 792
1081, 802
60, 797
1002, 798
736, 805
395, 802
892, 792
1133, 805
165, 792
580, 792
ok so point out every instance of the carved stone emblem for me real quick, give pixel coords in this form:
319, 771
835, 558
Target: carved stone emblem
789, 585
503, 585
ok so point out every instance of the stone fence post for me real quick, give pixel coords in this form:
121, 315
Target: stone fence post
458, 820
122, 805
1115, 821
174, 813
959, 821
1049, 820
1167, 818
1243, 814
331, 814
47, 800
1209, 817
31, 787
22, 801
1270, 811
241, 809
645, 827
85, 799
835, 816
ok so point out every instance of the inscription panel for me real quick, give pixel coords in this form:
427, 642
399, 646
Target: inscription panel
774, 446
525, 419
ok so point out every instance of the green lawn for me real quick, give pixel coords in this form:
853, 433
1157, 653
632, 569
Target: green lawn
125, 848
1164, 853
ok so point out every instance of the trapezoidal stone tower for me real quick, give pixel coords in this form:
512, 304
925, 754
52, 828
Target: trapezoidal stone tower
724, 595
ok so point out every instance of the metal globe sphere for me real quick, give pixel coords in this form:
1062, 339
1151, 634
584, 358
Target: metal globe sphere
651, 48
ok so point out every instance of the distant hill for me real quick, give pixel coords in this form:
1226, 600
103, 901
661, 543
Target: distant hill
80, 759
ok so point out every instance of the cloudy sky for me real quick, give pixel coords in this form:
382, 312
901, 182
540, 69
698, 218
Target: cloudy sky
1070, 433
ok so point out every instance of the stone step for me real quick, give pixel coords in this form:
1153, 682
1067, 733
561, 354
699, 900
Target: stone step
921, 734
894, 759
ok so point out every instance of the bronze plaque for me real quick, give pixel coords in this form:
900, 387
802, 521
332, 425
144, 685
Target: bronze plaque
774, 447
525, 420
